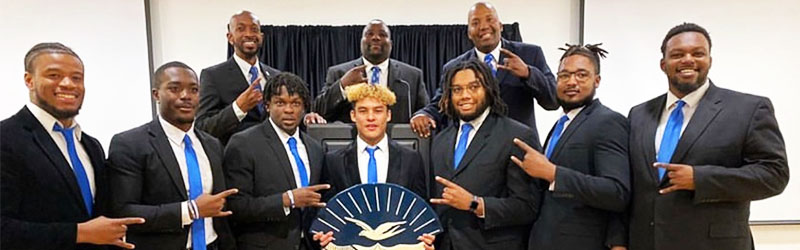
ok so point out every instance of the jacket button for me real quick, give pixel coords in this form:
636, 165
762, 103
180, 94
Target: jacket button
652, 223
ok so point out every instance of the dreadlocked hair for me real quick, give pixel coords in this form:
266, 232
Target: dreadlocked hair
591, 51
487, 80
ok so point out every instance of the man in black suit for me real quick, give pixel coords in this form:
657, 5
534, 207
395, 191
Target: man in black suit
374, 67
584, 171
53, 185
166, 172
699, 154
275, 166
486, 201
353, 164
520, 69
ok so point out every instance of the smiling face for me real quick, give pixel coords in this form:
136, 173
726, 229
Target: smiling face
244, 34
55, 83
376, 43
370, 116
484, 27
468, 95
577, 81
686, 62
177, 96
286, 110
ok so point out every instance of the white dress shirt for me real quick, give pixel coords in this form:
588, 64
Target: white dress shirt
301, 150
175, 137
381, 159
245, 67
48, 122
476, 124
495, 53
691, 100
571, 115
383, 79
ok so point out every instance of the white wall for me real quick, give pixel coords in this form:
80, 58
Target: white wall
109, 38
196, 35
753, 49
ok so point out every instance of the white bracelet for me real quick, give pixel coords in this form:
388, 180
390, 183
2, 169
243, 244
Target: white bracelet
291, 198
196, 210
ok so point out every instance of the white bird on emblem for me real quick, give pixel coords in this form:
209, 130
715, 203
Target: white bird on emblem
382, 232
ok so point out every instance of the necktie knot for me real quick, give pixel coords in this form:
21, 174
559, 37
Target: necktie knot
63, 130
489, 60
461, 147
253, 73
371, 150
376, 75
292, 142
466, 128
77, 167
557, 131
679, 104
563, 119
187, 142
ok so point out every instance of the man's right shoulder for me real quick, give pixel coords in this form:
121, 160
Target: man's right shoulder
218, 66
457, 59
345, 66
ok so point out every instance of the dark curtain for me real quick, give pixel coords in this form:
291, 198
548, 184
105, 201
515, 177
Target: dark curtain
308, 51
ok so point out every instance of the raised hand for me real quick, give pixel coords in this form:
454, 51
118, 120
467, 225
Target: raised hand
514, 64
534, 163
211, 205
309, 196
106, 231
250, 97
354, 76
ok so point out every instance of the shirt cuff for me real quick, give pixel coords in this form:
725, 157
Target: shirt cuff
552, 186
286, 211
185, 219
420, 114
238, 111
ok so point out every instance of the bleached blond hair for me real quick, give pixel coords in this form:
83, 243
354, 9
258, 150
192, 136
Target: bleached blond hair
361, 91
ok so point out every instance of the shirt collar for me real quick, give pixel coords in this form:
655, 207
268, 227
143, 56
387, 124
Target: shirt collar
691, 99
244, 65
383, 65
282, 134
574, 112
495, 52
48, 121
477, 122
362, 145
175, 134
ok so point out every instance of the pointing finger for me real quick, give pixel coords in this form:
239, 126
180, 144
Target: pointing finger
508, 53
517, 161
667, 190
522, 145
226, 193
319, 187
127, 221
446, 182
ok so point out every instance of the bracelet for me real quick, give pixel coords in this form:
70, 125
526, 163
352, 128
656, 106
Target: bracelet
196, 210
291, 198
190, 210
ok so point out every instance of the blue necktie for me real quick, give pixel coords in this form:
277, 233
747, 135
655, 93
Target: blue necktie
376, 75
672, 133
301, 168
462, 144
489, 60
195, 190
372, 166
77, 167
253, 77
556, 135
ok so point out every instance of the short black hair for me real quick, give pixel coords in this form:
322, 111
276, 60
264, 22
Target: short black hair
293, 83
50, 47
376, 20
486, 79
681, 28
591, 51
156, 83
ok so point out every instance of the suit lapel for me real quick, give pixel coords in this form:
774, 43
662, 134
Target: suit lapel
648, 136
502, 74
160, 143
214, 160
395, 171
314, 154
278, 150
477, 143
350, 164
707, 109
573, 126
449, 137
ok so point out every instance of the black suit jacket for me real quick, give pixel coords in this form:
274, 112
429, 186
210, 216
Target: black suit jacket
147, 182
738, 155
220, 85
405, 169
256, 163
516, 92
486, 170
404, 80
592, 182
41, 200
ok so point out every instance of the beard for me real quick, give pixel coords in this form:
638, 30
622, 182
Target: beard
567, 106
478, 112
686, 88
55, 112
247, 54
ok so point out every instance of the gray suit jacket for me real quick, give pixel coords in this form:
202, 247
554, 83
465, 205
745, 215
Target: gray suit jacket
220, 85
738, 155
404, 80
256, 163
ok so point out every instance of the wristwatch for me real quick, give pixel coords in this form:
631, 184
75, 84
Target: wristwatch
474, 204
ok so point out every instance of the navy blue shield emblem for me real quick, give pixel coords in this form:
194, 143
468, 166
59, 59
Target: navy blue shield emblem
376, 216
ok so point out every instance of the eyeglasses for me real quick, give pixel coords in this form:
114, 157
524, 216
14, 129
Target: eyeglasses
580, 75
471, 88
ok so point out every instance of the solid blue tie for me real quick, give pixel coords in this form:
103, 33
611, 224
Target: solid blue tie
556, 135
489, 60
462, 144
301, 168
372, 166
672, 133
77, 167
376, 75
195, 190
253, 77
